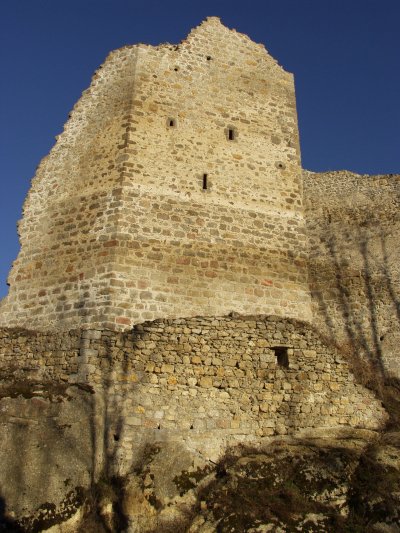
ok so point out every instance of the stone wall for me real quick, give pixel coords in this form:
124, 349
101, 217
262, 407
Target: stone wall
353, 224
174, 190
86, 405
34, 355
206, 382
62, 273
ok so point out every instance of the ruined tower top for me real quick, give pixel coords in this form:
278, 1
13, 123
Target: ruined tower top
174, 190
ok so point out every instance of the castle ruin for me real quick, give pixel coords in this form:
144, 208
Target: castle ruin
176, 258
174, 190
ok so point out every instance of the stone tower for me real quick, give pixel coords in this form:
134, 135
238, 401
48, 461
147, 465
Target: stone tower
174, 190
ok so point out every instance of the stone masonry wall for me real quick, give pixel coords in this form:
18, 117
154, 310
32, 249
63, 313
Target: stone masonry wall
62, 273
205, 382
174, 190
34, 355
240, 244
353, 224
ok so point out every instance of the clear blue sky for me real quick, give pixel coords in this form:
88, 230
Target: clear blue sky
345, 55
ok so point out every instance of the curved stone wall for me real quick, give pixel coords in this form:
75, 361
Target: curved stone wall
77, 405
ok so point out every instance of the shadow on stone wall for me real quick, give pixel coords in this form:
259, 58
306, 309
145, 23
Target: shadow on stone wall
107, 422
357, 295
109, 432
7, 524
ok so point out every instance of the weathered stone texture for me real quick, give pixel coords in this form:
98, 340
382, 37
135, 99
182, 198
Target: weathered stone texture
30, 355
353, 224
173, 203
204, 381
210, 383
46, 454
70, 213
118, 227
89, 403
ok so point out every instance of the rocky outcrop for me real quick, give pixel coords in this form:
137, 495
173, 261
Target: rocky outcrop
47, 432
163, 427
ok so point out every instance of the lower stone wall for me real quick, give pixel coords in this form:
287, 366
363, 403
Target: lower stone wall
39, 355
79, 406
207, 381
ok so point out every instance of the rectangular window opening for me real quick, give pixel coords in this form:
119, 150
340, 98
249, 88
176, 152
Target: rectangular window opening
204, 182
282, 356
231, 134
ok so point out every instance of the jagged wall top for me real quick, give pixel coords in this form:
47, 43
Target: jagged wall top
211, 32
174, 190
215, 32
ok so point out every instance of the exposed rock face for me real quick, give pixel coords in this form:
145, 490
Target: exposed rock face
303, 486
346, 481
131, 423
46, 451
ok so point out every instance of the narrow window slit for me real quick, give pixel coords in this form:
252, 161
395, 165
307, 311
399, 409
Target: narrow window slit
231, 134
282, 356
205, 184
171, 123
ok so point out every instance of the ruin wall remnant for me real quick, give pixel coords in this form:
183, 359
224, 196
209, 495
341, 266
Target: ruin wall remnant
184, 288
174, 190
353, 226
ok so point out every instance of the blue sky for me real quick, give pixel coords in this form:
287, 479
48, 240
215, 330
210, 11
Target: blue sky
345, 55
